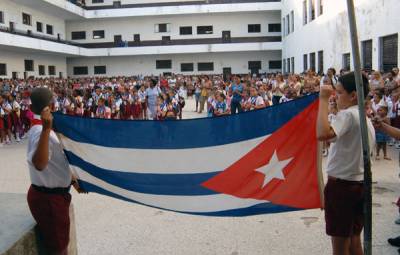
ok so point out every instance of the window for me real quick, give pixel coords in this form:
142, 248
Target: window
202, 30
275, 64
185, 31
312, 61
81, 70
42, 70
305, 62
389, 52
288, 65
97, 1
292, 64
274, 28
292, 20
287, 24
1, 17
100, 70
254, 65
162, 28
3, 69
312, 9
205, 66
366, 51
78, 35
163, 64
284, 66
26, 19
49, 29
52, 70
321, 7
320, 62
283, 27
254, 28
346, 61
28, 65
39, 26
98, 34
187, 67
305, 11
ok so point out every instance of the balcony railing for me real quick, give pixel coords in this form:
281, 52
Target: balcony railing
173, 42
177, 42
82, 3
28, 33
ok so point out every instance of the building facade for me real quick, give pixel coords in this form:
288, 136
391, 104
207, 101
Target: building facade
43, 38
316, 34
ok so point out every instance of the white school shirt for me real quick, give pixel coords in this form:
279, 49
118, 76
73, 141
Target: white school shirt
57, 173
345, 160
257, 101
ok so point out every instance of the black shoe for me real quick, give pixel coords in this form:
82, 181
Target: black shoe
398, 251
394, 241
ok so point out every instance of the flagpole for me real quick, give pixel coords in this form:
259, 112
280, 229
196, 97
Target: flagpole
364, 130
321, 184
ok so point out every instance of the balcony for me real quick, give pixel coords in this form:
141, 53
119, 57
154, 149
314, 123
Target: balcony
81, 3
176, 42
24, 39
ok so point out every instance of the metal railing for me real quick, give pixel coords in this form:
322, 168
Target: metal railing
82, 3
121, 44
29, 33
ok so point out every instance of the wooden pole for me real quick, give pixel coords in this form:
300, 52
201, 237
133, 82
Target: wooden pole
364, 130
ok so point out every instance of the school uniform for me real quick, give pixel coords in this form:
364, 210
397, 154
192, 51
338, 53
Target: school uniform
344, 192
48, 196
255, 101
7, 116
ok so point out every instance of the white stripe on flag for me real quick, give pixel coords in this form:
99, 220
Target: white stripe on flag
190, 204
173, 161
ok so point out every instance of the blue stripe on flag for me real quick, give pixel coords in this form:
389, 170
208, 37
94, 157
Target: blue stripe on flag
261, 208
181, 134
158, 184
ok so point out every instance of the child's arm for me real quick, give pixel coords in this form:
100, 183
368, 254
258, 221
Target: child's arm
324, 129
388, 129
41, 157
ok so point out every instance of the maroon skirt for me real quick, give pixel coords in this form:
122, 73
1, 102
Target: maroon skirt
136, 110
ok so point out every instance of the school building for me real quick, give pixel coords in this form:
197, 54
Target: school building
61, 38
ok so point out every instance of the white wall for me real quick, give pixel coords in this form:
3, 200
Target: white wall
127, 27
330, 31
15, 63
13, 13
146, 65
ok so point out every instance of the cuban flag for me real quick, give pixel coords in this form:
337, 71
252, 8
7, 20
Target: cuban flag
262, 161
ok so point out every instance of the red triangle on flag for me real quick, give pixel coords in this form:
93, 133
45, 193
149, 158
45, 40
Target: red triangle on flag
282, 169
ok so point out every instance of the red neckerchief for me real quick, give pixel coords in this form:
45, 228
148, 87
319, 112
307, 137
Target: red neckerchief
36, 122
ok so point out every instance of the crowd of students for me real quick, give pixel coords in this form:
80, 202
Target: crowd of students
163, 98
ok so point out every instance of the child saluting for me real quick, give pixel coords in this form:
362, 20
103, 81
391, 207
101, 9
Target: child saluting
344, 192
51, 178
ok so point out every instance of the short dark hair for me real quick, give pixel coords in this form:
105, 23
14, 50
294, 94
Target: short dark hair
154, 82
348, 82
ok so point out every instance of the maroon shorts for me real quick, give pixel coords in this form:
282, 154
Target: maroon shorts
51, 212
344, 215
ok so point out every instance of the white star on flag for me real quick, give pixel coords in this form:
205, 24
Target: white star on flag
274, 169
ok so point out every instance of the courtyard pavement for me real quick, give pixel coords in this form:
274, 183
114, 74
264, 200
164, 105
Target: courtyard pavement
109, 226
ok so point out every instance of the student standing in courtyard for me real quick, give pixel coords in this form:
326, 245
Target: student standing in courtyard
48, 196
344, 192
